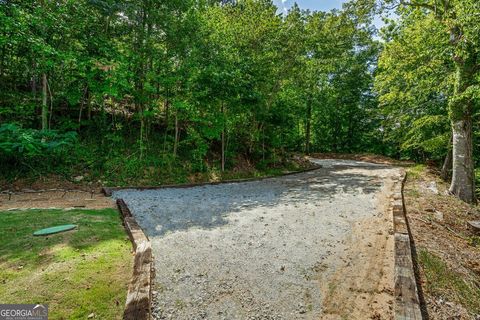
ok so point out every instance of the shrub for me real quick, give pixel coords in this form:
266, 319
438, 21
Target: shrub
20, 147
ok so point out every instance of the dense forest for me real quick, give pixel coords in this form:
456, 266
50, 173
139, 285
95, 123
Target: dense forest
142, 90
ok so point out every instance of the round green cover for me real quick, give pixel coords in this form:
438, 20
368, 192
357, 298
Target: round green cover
52, 230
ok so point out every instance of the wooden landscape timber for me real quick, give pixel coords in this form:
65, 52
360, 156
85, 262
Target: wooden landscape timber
139, 296
407, 302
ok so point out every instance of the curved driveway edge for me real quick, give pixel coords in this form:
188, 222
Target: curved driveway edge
108, 191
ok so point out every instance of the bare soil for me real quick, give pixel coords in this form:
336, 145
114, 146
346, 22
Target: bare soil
54, 199
364, 280
367, 157
47, 182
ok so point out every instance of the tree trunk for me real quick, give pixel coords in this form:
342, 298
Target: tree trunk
175, 144
447, 163
34, 81
461, 105
44, 102
463, 180
142, 134
34, 86
89, 105
263, 142
223, 150
223, 138
166, 104
50, 113
2, 62
82, 104
308, 126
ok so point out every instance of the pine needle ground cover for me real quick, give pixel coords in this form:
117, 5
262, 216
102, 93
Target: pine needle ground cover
80, 274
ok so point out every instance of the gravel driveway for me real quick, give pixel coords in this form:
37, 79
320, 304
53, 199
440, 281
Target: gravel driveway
306, 246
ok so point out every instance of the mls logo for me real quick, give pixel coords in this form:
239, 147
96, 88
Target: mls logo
23, 312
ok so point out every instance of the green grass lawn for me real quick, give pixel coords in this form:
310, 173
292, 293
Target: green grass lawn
76, 273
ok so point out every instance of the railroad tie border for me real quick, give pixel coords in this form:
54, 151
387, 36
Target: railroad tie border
407, 302
139, 296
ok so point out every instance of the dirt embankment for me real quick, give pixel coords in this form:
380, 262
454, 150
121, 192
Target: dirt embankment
448, 251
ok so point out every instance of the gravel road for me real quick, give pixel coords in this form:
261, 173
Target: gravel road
306, 246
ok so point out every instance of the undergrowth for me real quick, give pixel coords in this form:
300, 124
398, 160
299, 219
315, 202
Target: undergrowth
441, 281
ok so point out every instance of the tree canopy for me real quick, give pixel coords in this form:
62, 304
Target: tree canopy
120, 87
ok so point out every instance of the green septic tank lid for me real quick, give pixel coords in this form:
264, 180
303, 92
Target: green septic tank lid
52, 230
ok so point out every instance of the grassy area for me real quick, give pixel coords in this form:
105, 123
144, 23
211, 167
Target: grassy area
477, 182
415, 171
441, 281
76, 273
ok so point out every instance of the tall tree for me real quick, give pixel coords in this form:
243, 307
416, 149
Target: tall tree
414, 80
460, 20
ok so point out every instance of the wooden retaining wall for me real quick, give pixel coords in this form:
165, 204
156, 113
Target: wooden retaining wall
139, 296
407, 302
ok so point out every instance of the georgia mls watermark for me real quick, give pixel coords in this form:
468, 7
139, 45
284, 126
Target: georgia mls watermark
23, 312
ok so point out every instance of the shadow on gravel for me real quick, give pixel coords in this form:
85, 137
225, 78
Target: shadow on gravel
166, 210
